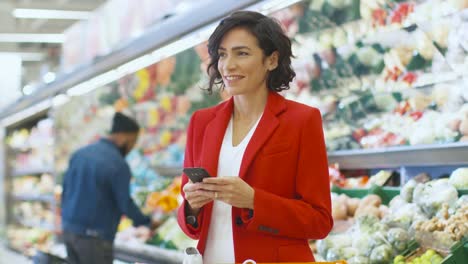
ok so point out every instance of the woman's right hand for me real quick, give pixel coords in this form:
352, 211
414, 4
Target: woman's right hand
196, 197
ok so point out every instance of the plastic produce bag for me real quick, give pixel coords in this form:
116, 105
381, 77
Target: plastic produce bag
431, 197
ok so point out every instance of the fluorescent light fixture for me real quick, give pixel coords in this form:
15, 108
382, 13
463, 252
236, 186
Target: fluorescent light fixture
60, 99
34, 109
49, 77
27, 56
28, 89
32, 38
80, 89
51, 14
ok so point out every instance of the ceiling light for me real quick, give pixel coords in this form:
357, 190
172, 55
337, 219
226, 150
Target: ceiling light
32, 38
51, 14
28, 89
60, 99
49, 77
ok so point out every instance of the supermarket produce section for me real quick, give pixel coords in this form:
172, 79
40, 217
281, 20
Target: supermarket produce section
390, 79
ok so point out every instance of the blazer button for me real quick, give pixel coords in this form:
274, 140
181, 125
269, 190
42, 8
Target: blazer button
239, 221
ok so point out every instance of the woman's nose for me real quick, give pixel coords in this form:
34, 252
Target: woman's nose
229, 63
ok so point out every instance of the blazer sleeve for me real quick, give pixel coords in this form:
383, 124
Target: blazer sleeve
308, 216
189, 230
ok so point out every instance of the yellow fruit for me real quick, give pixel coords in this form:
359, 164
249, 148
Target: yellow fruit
165, 138
154, 118
124, 224
165, 103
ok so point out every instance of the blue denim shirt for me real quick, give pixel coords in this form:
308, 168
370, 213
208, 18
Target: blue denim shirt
96, 192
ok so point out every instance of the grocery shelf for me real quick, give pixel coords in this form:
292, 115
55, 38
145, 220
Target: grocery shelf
39, 198
136, 252
31, 171
401, 156
379, 30
27, 223
28, 147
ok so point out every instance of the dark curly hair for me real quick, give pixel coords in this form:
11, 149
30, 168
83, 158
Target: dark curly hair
270, 37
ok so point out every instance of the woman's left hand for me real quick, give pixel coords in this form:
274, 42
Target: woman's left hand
231, 190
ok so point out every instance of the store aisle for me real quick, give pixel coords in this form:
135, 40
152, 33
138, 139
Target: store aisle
7, 256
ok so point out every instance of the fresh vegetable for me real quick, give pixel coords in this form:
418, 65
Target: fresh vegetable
459, 178
398, 238
381, 255
432, 195
430, 256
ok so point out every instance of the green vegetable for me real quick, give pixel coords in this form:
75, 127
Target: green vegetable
334, 254
381, 255
358, 260
399, 238
459, 178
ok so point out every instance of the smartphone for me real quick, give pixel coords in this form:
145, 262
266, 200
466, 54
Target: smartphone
196, 174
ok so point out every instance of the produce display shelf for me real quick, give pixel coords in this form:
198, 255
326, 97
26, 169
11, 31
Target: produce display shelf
136, 252
400, 156
47, 227
32, 171
40, 198
29, 147
385, 193
459, 253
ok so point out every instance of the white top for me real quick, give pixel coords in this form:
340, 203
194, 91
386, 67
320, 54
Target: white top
220, 244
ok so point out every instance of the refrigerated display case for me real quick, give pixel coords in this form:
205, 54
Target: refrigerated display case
30, 184
388, 76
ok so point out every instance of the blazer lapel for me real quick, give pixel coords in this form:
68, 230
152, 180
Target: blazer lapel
267, 125
213, 138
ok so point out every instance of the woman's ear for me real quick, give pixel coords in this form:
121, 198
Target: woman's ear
272, 61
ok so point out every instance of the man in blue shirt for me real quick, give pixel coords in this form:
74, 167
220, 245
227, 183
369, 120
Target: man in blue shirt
96, 193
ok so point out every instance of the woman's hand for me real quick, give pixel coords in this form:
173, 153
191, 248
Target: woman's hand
196, 197
231, 190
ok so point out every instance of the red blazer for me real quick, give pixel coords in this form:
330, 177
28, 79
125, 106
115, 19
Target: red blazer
286, 163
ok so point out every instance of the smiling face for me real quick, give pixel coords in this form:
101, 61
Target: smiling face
242, 64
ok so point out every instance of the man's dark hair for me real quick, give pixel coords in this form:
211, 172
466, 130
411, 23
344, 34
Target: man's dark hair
270, 37
124, 124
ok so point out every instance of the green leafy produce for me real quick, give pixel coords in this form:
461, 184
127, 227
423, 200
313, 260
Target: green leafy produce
399, 238
381, 255
358, 260
187, 71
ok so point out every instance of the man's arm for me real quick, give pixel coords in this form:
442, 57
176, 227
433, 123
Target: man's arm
121, 188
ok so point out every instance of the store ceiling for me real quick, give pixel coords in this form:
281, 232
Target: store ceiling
36, 55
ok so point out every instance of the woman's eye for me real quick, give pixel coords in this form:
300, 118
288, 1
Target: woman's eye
222, 55
242, 53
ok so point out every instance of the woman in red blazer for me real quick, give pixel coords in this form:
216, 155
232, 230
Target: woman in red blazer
280, 196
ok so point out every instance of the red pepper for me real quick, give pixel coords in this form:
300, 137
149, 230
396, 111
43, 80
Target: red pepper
416, 115
358, 134
402, 12
396, 18
410, 77
378, 17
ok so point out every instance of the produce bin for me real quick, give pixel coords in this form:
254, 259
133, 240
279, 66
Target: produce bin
385, 193
459, 253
